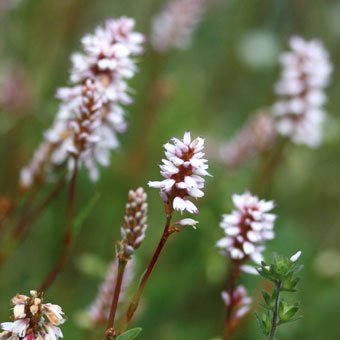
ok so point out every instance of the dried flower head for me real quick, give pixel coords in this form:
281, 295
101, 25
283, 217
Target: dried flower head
183, 170
99, 311
33, 319
104, 66
247, 228
305, 74
175, 24
240, 301
256, 136
135, 223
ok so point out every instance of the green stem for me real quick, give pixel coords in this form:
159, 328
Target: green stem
275, 320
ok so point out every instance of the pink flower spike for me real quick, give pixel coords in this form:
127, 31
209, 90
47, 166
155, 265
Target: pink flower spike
247, 228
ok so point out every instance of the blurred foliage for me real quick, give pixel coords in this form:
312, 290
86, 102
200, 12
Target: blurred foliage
212, 88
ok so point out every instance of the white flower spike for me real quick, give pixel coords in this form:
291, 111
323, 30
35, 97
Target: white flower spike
91, 113
183, 170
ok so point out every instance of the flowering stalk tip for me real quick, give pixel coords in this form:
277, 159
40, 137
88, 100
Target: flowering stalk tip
183, 169
91, 113
135, 223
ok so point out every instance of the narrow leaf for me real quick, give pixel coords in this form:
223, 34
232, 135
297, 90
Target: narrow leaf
130, 334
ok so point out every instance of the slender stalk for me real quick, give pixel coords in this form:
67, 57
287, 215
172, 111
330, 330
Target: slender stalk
269, 166
110, 329
276, 310
228, 322
23, 225
6, 209
135, 300
68, 234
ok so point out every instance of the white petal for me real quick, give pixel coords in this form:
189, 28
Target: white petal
248, 248
187, 222
191, 207
187, 138
154, 184
296, 256
179, 204
249, 269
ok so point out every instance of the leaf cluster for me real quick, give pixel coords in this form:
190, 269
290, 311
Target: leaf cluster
282, 273
282, 270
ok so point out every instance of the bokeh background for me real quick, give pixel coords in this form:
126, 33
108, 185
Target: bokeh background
211, 88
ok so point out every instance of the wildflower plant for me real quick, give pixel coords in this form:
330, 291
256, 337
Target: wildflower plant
183, 170
90, 116
282, 272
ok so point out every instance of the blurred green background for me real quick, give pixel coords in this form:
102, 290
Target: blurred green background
212, 88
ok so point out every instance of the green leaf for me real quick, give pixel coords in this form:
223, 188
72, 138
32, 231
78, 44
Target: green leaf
291, 312
291, 320
267, 298
130, 334
261, 325
84, 213
264, 322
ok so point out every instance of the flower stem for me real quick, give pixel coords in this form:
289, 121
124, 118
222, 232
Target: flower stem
269, 166
23, 225
135, 300
110, 330
229, 324
68, 234
277, 290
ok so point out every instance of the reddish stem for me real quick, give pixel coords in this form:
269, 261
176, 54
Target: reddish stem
135, 300
269, 166
110, 330
229, 322
26, 222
